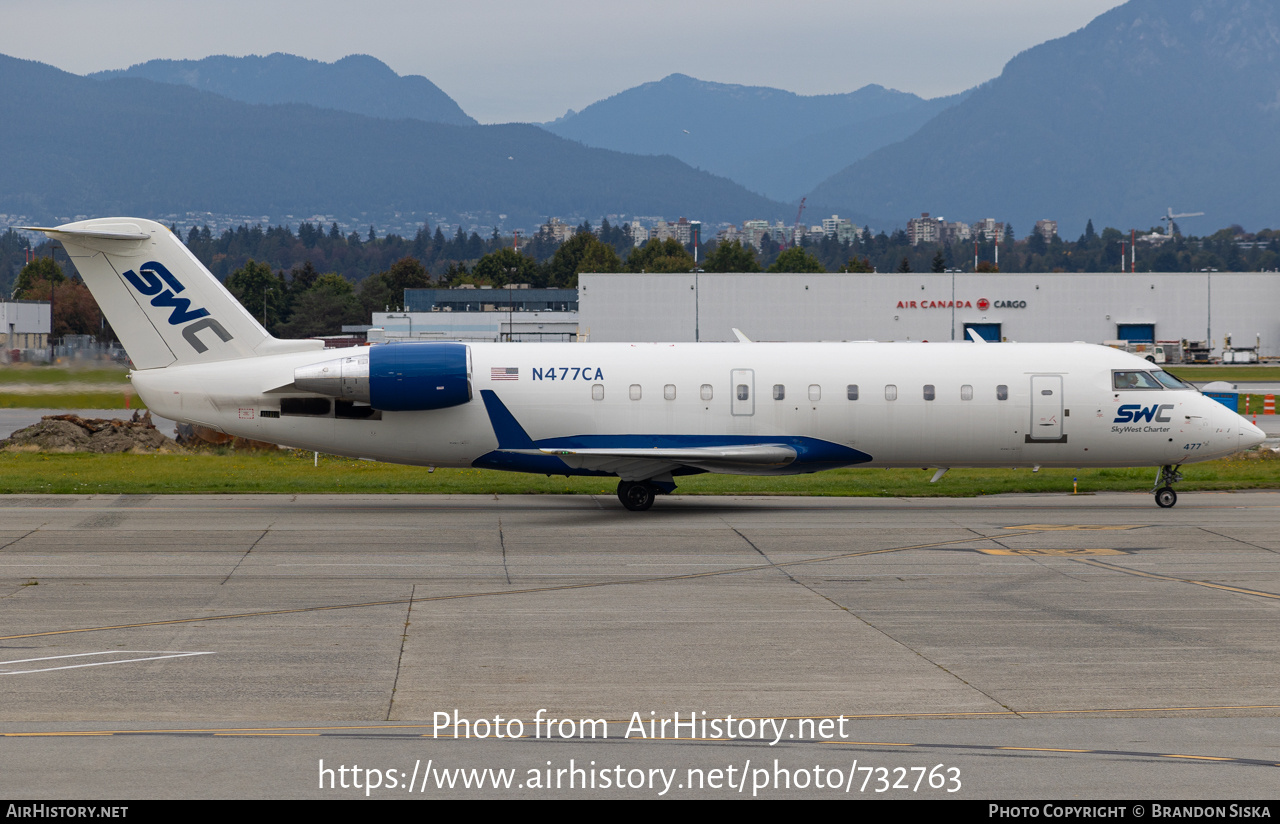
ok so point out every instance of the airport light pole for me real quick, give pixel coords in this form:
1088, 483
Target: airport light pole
511, 271
53, 256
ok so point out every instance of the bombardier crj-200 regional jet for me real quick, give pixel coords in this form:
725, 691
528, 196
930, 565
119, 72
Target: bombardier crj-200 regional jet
646, 413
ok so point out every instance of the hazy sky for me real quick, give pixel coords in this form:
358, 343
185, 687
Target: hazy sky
525, 60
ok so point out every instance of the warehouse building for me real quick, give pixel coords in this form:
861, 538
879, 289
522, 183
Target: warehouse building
935, 307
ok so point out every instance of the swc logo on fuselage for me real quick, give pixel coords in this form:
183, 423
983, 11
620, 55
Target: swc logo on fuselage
1137, 413
151, 283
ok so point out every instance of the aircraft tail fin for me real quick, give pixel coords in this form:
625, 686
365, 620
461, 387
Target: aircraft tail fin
166, 308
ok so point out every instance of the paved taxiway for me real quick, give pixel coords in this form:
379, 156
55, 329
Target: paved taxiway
230, 642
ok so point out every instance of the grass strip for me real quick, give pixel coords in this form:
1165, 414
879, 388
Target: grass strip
293, 472
114, 399
1201, 374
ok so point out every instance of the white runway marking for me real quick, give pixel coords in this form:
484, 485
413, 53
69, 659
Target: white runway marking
152, 655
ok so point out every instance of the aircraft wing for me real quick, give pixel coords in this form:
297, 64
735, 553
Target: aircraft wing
632, 463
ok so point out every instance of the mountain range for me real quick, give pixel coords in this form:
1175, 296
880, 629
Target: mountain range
772, 141
357, 83
1155, 104
126, 145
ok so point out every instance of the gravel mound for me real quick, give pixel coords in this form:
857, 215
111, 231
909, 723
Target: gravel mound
72, 433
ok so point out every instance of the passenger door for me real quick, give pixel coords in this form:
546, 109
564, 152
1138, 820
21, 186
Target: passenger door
1046, 408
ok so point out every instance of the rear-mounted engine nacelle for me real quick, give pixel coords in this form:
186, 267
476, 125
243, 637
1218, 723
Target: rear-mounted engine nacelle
394, 377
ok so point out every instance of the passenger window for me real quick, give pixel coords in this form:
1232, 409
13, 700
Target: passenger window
851, 391
597, 392
928, 392
744, 393
669, 391
891, 392
779, 392
815, 392
1002, 392
966, 392
635, 391
705, 392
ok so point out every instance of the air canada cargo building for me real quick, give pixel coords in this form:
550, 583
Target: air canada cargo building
934, 307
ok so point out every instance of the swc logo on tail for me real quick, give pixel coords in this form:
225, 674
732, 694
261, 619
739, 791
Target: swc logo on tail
151, 283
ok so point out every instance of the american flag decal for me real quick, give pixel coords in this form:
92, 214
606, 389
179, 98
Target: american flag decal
504, 373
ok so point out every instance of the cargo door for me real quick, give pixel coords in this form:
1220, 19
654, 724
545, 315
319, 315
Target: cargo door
743, 388
1046, 408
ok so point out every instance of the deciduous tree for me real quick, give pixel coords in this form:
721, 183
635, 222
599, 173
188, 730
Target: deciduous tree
796, 259
732, 257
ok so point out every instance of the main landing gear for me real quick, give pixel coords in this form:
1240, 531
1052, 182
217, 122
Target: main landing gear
1167, 477
636, 496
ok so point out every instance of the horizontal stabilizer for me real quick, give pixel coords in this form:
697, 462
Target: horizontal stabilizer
118, 231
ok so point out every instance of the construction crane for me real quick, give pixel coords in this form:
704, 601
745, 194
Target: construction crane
795, 230
1171, 217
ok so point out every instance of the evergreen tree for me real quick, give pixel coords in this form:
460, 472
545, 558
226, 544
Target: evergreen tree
260, 291
324, 308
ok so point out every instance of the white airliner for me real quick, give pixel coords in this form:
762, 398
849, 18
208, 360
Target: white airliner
646, 413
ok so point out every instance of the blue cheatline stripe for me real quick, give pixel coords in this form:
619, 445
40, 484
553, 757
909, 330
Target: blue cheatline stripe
812, 454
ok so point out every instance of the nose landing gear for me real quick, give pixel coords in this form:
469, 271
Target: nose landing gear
1165, 479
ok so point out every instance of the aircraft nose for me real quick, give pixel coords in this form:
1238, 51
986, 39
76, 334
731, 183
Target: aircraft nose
1250, 435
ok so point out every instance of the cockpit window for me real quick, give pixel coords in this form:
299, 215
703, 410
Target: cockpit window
1170, 382
1134, 380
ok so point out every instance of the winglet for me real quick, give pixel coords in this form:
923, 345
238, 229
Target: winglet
973, 333
741, 337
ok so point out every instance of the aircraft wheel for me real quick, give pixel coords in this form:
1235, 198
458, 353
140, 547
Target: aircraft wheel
1166, 497
636, 497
